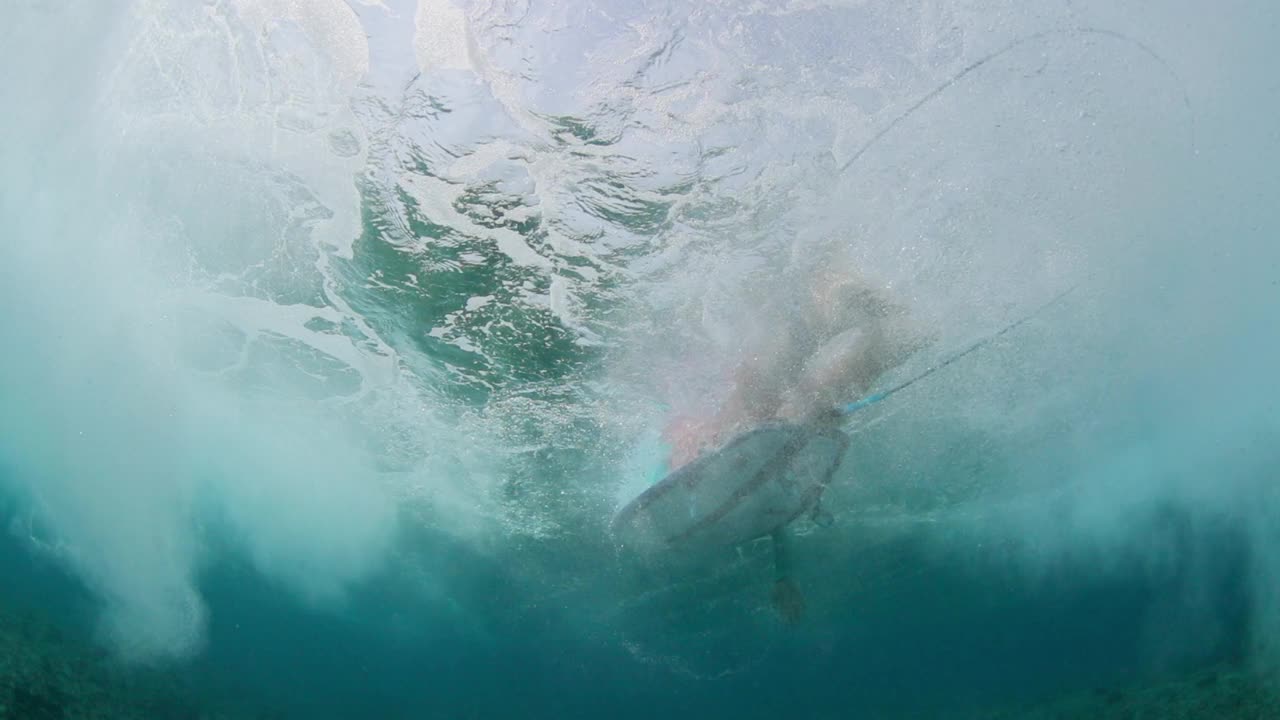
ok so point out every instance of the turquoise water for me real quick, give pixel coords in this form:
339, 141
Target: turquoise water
336, 333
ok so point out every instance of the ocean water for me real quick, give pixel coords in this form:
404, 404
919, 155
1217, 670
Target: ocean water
335, 333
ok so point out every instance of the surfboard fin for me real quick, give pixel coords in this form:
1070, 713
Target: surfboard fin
821, 517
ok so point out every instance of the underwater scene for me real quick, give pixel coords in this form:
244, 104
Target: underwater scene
746, 359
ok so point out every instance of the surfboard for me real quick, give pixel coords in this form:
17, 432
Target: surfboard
759, 481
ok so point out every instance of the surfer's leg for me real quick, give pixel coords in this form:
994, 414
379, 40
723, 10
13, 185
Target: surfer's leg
781, 554
837, 369
786, 597
890, 334
866, 333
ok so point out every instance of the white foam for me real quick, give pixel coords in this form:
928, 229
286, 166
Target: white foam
442, 38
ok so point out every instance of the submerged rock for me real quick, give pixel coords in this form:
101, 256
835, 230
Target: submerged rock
1222, 693
46, 674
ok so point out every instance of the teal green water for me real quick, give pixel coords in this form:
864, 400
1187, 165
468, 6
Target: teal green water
336, 333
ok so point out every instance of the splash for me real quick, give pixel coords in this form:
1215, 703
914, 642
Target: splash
342, 291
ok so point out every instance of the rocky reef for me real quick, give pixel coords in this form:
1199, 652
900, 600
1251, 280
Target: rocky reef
47, 675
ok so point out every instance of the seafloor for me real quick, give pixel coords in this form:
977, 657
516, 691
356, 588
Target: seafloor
1223, 692
46, 675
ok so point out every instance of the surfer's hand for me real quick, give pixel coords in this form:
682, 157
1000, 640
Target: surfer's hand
689, 437
788, 601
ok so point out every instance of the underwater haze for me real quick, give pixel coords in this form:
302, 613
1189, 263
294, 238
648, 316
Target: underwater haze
336, 332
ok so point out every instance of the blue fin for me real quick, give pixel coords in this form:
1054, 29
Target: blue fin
821, 517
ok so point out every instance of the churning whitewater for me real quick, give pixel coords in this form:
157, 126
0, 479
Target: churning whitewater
472, 359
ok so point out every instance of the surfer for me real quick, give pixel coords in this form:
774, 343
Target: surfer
820, 349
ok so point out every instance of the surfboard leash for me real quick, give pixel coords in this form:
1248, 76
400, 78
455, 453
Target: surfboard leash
850, 408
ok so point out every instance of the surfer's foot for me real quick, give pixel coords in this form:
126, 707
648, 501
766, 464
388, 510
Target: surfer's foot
788, 601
